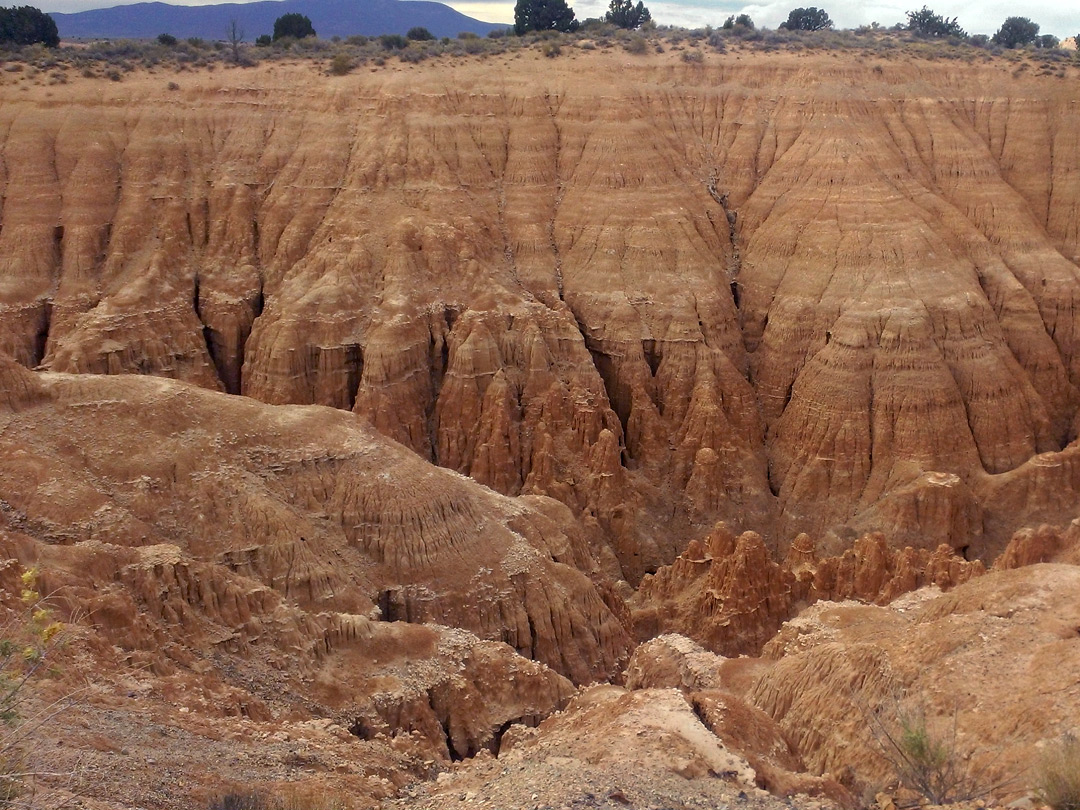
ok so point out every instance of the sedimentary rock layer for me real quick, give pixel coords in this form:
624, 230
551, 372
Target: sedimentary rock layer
725, 592
185, 519
797, 293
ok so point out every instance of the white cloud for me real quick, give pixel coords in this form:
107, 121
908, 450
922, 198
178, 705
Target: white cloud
486, 11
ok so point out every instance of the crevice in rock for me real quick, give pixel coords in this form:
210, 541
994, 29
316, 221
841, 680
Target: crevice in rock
532, 637
257, 306
500, 731
527, 720
605, 368
41, 336
354, 371
386, 605
699, 712
774, 487
195, 299
260, 302
439, 363
455, 756
652, 357
559, 191
362, 730
208, 339
606, 371
732, 217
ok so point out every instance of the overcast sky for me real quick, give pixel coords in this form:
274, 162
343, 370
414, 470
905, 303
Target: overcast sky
1059, 17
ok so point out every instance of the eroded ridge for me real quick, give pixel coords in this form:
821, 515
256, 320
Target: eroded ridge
795, 296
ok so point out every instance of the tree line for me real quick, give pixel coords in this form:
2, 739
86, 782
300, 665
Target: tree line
556, 15
26, 25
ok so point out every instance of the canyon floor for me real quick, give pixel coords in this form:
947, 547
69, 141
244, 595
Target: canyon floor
606, 430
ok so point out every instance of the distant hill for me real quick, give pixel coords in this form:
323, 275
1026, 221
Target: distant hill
330, 18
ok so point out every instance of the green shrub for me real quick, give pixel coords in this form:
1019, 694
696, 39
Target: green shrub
926, 760
624, 14
341, 64
393, 42
807, 19
925, 23
293, 25
419, 34
26, 25
168, 40
1016, 32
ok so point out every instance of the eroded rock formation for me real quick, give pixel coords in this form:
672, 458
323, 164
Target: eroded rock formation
175, 507
716, 687
806, 297
810, 298
726, 593
938, 656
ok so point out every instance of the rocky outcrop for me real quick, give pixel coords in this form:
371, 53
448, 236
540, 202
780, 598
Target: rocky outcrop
606, 724
456, 693
935, 656
673, 662
799, 299
170, 613
1044, 544
19, 388
206, 508
715, 686
728, 595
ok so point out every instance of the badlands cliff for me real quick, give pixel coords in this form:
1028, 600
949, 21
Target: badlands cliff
356, 424
796, 294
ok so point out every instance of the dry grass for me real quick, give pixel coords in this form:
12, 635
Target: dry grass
1058, 775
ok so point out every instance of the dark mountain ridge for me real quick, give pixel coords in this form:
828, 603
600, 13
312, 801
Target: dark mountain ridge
329, 17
